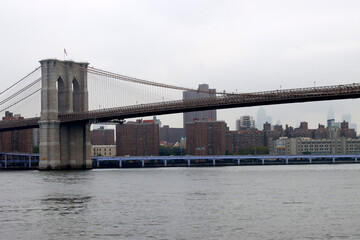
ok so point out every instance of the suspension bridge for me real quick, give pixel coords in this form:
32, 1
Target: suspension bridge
63, 98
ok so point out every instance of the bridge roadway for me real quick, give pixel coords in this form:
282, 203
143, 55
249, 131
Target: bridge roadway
221, 102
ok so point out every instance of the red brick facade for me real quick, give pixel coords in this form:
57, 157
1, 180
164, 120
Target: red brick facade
139, 138
16, 141
237, 140
102, 136
205, 138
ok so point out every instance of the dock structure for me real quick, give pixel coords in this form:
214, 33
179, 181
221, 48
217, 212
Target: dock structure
31, 161
226, 160
19, 161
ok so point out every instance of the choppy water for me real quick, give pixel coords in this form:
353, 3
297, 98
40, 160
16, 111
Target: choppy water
258, 202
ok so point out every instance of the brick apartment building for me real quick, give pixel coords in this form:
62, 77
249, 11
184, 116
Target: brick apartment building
205, 137
18, 140
236, 140
102, 136
140, 138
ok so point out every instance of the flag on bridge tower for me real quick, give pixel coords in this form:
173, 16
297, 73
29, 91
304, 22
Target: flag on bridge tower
65, 53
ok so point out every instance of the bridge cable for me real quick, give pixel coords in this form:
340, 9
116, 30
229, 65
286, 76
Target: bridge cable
146, 82
20, 91
20, 100
20, 80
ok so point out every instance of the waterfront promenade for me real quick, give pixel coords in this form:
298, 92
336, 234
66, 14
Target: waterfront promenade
31, 161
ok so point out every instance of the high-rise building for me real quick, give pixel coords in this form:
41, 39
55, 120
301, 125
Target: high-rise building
203, 92
205, 137
102, 136
245, 122
331, 113
260, 117
140, 138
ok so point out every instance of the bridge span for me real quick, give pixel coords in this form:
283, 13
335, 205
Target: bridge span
300, 95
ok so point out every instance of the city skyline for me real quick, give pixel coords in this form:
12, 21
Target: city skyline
339, 117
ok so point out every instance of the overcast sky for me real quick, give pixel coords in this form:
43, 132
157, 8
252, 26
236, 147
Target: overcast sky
231, 45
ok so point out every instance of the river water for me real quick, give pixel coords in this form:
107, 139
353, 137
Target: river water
254, 202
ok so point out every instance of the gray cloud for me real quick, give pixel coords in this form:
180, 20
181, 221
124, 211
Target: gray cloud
245, 45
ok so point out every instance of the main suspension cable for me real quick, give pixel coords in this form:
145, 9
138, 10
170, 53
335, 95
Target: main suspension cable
20, 100
146, 82
20, 80
20, 91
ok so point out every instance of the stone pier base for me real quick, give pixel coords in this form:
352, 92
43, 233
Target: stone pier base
64, 146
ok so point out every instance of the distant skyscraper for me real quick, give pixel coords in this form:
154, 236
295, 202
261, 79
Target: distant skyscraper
260, 117
245, 122
204, 92
331, 114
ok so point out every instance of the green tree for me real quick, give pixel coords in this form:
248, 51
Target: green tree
258, 150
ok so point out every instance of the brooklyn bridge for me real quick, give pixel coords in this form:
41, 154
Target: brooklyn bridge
63, 98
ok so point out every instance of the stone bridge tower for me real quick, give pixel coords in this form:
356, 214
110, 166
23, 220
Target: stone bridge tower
63, 90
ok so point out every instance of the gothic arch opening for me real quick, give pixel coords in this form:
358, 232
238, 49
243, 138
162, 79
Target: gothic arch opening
76, 95
61, 89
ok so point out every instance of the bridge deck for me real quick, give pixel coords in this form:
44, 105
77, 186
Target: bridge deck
225, 101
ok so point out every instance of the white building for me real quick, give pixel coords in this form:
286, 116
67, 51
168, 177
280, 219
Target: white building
245, 121
299, 146
103, 150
